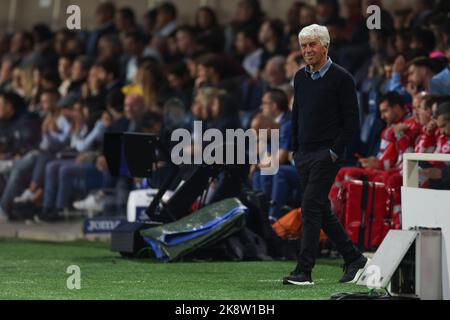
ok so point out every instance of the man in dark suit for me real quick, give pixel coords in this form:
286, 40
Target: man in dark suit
324, 120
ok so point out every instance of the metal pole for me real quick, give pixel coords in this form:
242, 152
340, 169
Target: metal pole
56, 13
12, 14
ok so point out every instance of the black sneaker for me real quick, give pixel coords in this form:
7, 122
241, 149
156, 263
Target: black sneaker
353, 270
48, 216
299, 279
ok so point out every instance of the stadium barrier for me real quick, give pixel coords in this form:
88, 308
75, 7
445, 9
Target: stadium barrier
427, 208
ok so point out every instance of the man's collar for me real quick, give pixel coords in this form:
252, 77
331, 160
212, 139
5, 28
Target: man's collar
322, 70
280, 116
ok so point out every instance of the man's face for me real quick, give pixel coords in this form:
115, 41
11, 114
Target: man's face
77, 72
443, 125
414, 75
273, 74
6, 110
64, 66
134, 106
313, 50
184, 41
5, 71
265, 33
425, 114
131, 46
388, 113
241, 43
267, 106
48, 102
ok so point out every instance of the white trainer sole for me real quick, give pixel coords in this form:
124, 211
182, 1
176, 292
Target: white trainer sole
307, 283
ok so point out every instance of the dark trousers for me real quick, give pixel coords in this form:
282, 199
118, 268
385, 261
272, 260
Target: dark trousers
317, 172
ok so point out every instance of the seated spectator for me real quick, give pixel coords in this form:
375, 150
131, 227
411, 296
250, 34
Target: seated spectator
209, 33
125, 21
133, 45
275, 75
104, 16
110, 48
6, 72
78, 74
19, 134
74, 165
186, 41
64, 72
247, 46
224, 114
271, 38
279, 187
395, 140
440, 82
180, 83
248, 15
29, 171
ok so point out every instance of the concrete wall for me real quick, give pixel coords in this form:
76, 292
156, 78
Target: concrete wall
20, 14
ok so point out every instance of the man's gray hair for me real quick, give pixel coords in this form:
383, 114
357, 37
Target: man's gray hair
315, 31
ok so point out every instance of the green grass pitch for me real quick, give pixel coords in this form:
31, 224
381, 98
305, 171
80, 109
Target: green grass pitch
37, 270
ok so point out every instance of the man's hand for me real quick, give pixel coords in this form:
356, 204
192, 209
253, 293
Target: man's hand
399, 128
411, 88
432, 173
82, 157
101, 164
369, 163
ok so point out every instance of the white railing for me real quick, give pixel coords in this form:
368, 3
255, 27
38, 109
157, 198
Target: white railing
427, 208
411, 166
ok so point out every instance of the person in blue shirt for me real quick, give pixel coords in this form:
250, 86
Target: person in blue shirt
279, 187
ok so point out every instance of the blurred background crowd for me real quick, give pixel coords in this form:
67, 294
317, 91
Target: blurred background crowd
61, 90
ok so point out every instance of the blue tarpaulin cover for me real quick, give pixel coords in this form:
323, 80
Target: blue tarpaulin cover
209, 224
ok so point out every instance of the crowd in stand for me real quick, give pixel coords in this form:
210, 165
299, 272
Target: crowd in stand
61, 91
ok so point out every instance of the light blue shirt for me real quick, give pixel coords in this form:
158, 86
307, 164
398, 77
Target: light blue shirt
321, 73
440, 83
